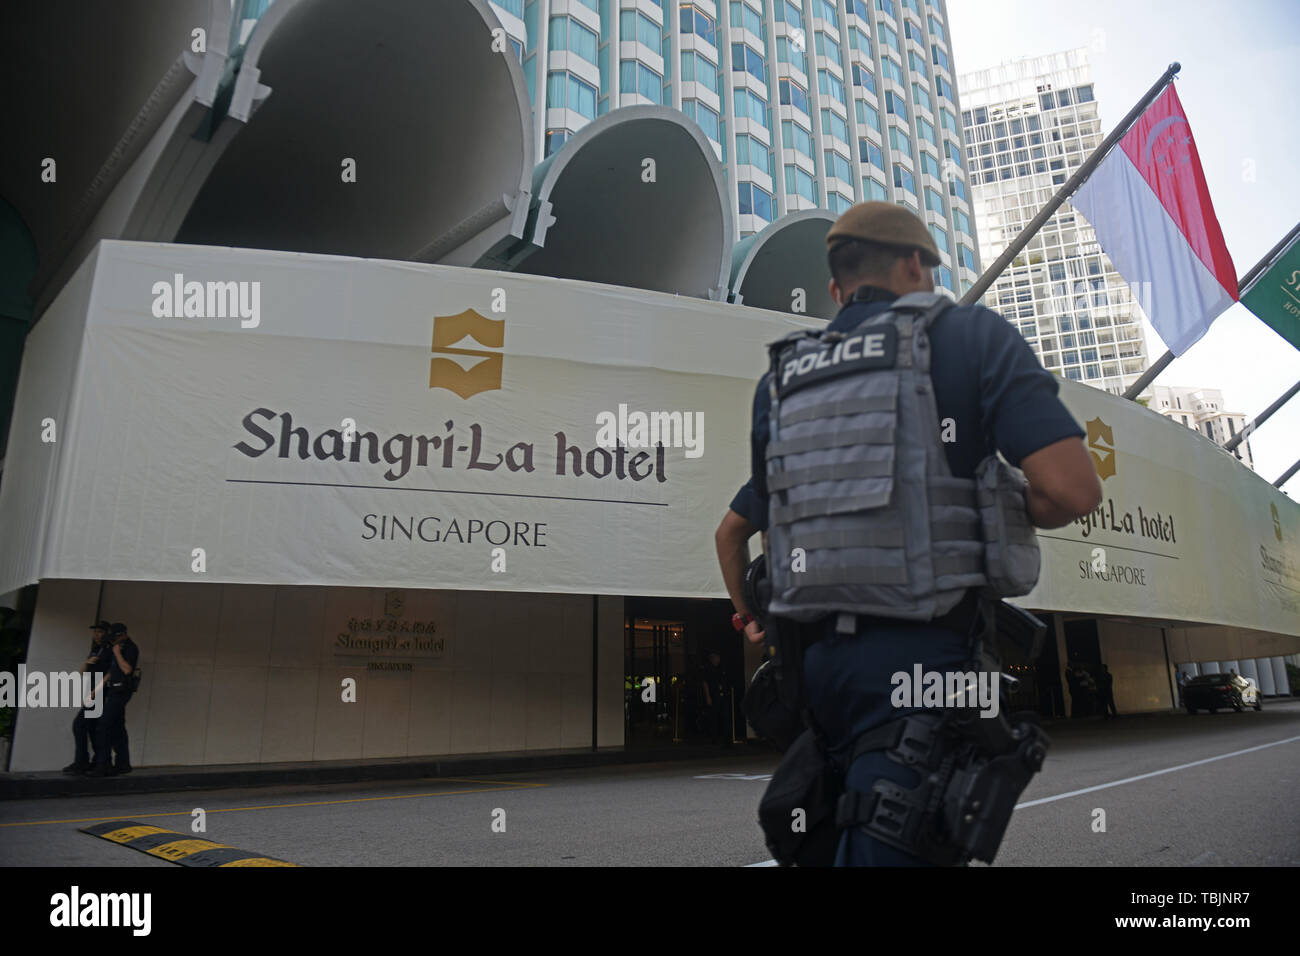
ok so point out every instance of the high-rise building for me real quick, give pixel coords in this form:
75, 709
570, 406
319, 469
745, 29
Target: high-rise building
1202, 410
808, 103
1029, 125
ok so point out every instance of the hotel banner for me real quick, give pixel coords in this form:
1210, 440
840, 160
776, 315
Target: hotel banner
278, 418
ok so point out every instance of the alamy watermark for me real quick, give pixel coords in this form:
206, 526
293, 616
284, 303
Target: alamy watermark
55, 689
637, 429
208, 300
977, 690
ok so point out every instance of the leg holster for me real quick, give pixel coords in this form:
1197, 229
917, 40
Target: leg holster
972, 770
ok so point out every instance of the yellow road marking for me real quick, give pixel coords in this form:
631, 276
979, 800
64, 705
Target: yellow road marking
280, 806
179, 849
257, 861
130, 833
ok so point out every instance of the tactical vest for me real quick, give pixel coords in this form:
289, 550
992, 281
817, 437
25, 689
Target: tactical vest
865, 516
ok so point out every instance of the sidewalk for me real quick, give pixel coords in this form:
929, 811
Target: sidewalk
22, 786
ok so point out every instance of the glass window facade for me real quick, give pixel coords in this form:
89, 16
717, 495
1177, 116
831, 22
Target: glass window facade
792, 94
634, 25
830, 86
888, 37
838, 166
694, 20
787, 12
750, 151
745, 59
940, 237
566, 91
868, 115
705, 117
754, 200
797, 138
696, 68
869, 152
570, 35
921, 97
903, 179
834, 125
828, 47
742, 15
787, 52
799, 183
858, 40
863, 77
749, 105
900, 142
636, 77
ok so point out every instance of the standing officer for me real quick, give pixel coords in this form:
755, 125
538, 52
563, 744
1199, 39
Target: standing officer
83, 727
111, 734
990, 393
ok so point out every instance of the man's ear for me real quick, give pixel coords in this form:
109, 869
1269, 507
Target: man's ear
835, 291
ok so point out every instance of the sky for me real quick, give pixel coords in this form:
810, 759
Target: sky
1239, 66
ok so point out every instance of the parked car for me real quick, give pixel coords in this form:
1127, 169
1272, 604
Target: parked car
1212, 691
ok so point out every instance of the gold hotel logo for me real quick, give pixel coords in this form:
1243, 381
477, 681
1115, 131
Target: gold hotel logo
448, 373
1101, 446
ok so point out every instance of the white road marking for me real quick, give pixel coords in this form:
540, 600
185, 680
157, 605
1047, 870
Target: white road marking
1154, 773
733, 776
1117, 783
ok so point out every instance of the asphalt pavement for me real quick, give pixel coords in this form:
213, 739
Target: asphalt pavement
1173, 790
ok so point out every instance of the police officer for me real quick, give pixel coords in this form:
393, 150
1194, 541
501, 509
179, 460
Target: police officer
986, 382
83, 727
111, 736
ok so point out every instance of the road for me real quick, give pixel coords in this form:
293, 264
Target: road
1216, 790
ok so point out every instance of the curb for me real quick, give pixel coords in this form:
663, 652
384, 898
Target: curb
23, 786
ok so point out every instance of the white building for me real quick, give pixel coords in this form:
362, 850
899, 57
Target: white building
1029, 125
1202, 409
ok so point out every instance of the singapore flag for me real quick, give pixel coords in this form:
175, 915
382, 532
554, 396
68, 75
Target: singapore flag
1151, 209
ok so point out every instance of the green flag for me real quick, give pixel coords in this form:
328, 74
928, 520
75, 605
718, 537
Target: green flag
1275, 296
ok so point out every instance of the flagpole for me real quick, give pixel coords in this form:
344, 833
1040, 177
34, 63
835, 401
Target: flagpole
1072, 184
1262, 417
1243, 286
1286, 475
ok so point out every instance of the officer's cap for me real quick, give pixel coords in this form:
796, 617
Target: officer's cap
117, 629
99, 626
885, 223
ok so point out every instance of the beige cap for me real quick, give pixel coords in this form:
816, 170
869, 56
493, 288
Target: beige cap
888, 224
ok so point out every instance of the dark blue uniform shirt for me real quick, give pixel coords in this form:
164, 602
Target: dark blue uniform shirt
987, 380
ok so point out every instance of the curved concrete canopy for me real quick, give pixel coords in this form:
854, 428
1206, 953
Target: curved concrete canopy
597, 219
437, 122
788, 254
87, 85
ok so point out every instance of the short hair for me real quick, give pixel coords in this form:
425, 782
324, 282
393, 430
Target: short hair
860, 259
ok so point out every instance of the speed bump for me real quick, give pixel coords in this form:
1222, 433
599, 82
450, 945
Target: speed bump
176, 847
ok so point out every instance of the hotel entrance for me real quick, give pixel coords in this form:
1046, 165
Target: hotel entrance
669, 648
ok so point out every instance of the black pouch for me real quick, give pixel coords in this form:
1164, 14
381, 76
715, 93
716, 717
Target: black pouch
765, 710
797, 812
